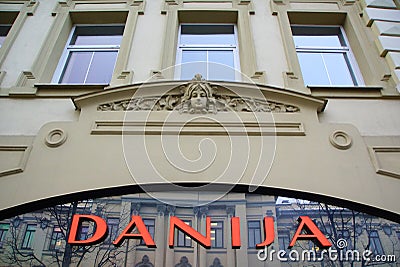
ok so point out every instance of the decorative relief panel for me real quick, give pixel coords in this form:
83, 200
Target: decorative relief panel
386, 160
198, 96
13, 159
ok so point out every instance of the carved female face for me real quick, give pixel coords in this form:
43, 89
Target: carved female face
198, 98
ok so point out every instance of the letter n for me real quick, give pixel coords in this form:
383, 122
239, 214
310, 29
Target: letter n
175, 222
313, 233
99, 234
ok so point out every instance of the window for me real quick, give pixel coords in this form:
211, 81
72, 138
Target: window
56, 239
284, 240
254, 233
345, 234
150, 225
4, 29
90, 55
113, 224
207, 49
28, 237
83, 232
375, 243
3, 232
183, 239
217, 234
325, 57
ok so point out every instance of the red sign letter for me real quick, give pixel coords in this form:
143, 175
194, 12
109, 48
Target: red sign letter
101, 230
268, 231
235, 229
205, 241
312, 233
143, 233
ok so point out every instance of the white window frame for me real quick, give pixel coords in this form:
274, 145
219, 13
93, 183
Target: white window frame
81, 48
346, 50
208, 47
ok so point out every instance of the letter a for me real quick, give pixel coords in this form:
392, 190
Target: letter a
143, 233
312, 233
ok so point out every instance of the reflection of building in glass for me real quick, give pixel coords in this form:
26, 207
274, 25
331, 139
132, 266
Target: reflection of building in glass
39, 237
103, 100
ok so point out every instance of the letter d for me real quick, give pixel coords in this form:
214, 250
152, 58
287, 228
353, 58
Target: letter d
98, 235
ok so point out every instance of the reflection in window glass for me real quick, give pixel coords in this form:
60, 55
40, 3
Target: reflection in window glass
113, 224
4, 29
150, 225
324, 56
27, 242
217, 234
184, 240
254, 233
3, 232
91, 55
209, 50
375, 243
56, 239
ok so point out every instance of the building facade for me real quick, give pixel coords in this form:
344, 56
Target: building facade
196, 109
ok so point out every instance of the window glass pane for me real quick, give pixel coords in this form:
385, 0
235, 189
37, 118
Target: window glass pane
225, 69
196, 63
101, 67
317, 41
4, 29
207, 34
313, 69
97, 35
322, 36
338, 69
76, 67
28, 237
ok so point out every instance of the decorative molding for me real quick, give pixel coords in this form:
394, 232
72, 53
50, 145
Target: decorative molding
161, 209
196, 97
31, 7
385, 160
171, 210
156, 75
230, 211
340, 140
145, 262
62, 4
198, 128
26, 78
55, 138
139, 4
248, 3
12, 165
259, 77
348, 2
216, 263
183, 262
168, 3
135, 208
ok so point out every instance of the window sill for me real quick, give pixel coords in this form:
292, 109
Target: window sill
346, 91
67, 90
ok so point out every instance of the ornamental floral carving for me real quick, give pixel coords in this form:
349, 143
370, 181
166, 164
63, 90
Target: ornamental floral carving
198, 96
